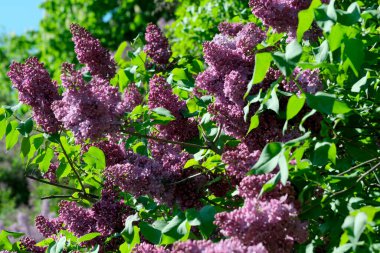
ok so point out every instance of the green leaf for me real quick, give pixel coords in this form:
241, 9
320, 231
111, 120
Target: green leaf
150, 233
25, 127
63, 170
284, 170
3, 126
128, 230
119, 52
272, 103
95, 158
293, 52
294, 106
270, 185
179, 74
162, 115
255, 121
359, 84
268, 159
5, 243
335, 37
25, 146
128, 246
262, 65
190, 163
12, 135
332, 153
207, 217
306, 18
282, 64
354, 51
351, 16
88, 237
326, 103
323, 52
359, 224
45, 163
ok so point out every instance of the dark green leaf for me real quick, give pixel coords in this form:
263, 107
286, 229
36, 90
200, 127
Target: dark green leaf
150, 233
326, 103
268, 159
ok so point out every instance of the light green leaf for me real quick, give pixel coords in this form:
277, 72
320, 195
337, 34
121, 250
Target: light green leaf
294, 106
359, 84
262, 64
12, 135
293, 52
323, 52
95, 158
255, 121
88, 237
284, 170
306, 18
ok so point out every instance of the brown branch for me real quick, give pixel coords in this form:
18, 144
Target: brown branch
72, 166
54, 184
186, 144
357, 166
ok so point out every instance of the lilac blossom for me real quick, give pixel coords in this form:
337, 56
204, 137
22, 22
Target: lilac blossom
308, 80
161, 95
36, 89
250, 187
274, 223
29, 244
157, 46
132, 97
224, 246
239, 160
90, 52
92, 111
47, 227
282, 15
51, 173
149, 248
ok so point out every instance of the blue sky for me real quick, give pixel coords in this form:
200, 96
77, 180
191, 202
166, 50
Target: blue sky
18, 16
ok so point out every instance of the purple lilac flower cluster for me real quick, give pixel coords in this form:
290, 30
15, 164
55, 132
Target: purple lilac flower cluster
91, 53
163, 177
281, 15
161, 95
271, 220
308, 80
223, 246
36, 89
113, 152
157, 45
90, 110
230, 59
51, 173
28, 244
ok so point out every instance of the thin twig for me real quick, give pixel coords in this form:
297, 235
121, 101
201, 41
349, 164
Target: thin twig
165, 140
73, 167
54, 184
216, 204
368, 172
57, 197
357, 166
